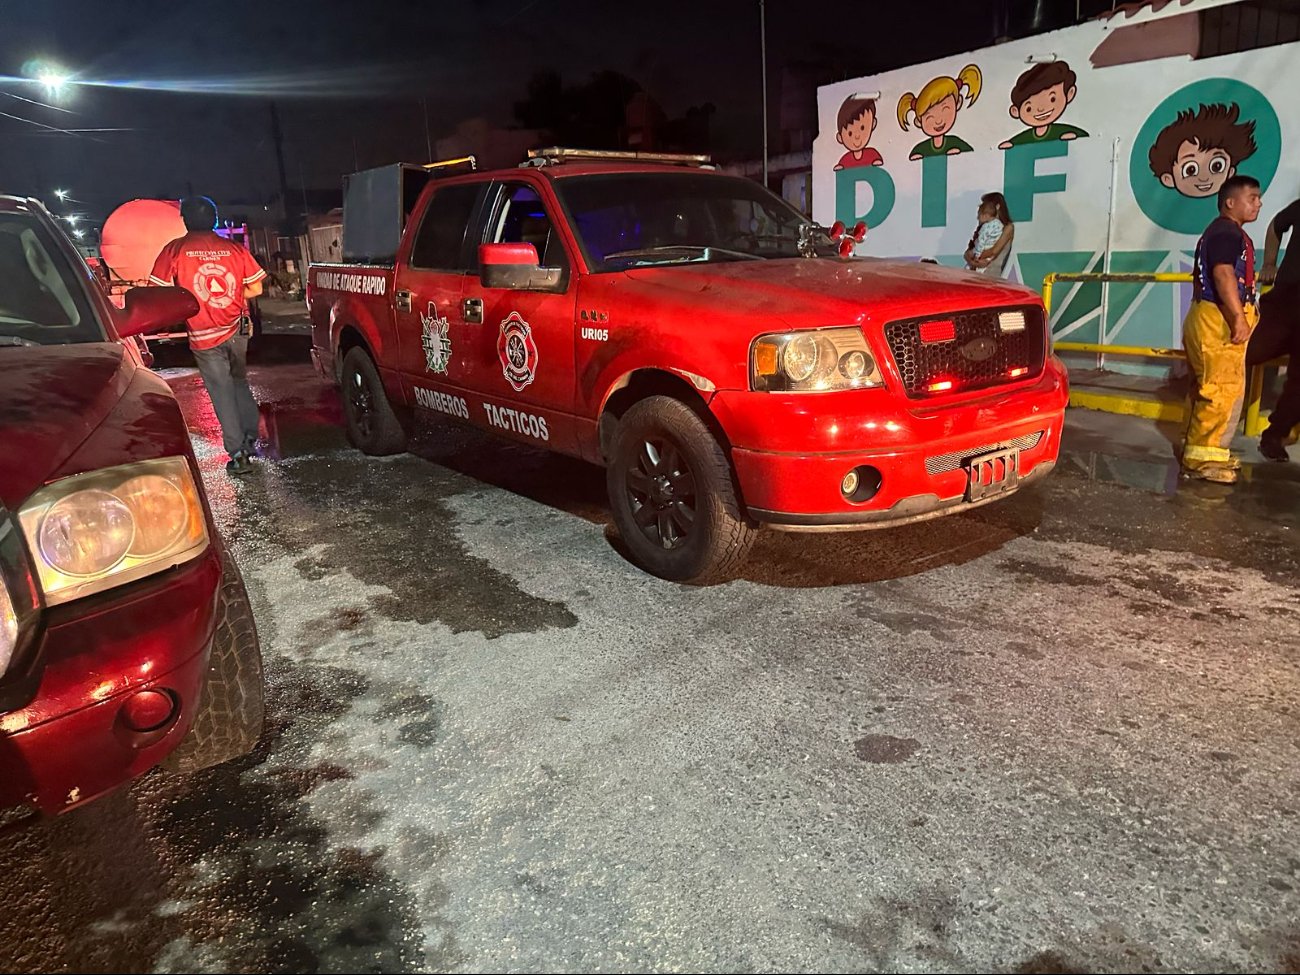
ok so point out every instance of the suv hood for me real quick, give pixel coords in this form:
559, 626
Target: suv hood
52, 398
825, 291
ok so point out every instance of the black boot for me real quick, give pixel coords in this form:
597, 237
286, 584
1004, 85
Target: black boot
1271, 446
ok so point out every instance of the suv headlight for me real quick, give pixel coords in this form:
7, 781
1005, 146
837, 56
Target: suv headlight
816, 360
95, 531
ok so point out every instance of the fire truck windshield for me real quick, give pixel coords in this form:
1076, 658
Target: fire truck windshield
627, 220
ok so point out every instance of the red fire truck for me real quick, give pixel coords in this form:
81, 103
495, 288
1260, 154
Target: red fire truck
729, 363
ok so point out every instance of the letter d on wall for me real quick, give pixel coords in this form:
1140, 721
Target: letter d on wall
1021, 183
846, 195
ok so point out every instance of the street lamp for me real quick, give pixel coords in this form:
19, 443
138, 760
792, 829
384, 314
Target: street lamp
61, 194
52, 81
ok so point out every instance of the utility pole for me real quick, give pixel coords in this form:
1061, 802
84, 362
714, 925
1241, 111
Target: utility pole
428, 142
762, 34
278, 139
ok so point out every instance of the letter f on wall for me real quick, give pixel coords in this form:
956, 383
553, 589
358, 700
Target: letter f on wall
1020, 181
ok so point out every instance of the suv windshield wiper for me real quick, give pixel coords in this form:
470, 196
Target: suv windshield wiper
705, 251
16, 340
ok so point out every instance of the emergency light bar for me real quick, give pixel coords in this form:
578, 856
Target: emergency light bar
554, 155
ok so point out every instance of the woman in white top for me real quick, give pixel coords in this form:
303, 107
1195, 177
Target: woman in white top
995, 259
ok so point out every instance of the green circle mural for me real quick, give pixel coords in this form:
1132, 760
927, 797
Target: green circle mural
1193, 141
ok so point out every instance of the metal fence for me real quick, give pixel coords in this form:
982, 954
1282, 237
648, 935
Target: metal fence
1254, 416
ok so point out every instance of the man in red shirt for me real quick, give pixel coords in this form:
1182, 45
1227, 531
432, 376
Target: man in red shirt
222, 275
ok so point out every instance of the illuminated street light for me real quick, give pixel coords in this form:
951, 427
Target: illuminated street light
61, 194
79, 234
52, 81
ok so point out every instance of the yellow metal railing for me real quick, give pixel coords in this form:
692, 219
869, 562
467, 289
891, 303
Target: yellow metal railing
1255, 418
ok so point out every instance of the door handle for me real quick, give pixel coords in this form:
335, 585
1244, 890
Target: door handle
472, 309
402, 299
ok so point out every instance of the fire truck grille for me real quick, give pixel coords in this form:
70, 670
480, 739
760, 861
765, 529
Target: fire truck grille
939, 355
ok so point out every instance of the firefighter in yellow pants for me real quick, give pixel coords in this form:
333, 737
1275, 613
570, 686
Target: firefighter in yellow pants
1220, 387
1216, 329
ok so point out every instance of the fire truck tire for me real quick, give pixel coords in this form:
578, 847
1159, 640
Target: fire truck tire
228, 715
673, 496
373, 427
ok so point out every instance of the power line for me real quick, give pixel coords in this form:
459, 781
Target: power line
32, 101
42, 125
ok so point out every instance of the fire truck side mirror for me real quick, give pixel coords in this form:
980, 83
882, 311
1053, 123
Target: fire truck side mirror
515, 267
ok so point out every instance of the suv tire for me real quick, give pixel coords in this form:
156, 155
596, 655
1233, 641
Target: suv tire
228, 716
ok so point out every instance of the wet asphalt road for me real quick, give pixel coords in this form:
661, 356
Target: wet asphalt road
1055, 734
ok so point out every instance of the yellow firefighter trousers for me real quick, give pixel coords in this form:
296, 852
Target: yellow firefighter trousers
1219, 383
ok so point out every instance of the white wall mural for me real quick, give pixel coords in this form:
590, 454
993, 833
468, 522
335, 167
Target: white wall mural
1105, 166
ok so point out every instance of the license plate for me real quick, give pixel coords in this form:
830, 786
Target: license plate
992, 473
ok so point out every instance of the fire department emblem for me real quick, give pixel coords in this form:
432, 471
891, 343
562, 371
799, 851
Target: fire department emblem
215, 286
436, 341
517, 351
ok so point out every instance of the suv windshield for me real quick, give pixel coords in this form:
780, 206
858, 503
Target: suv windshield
41, 300
627, 220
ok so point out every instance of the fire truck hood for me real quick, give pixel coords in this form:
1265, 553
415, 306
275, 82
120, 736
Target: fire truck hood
827, 291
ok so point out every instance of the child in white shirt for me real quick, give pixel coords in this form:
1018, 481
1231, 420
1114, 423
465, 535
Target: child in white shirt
986, 234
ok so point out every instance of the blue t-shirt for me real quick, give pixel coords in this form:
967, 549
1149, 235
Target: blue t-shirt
1224, 242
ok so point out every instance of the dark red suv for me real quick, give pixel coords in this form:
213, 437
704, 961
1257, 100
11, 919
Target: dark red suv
126, 637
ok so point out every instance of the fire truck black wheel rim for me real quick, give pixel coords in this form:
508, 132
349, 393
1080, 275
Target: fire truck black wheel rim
661, 492
363, 404
373, 426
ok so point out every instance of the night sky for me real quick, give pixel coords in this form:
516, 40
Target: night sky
348, 78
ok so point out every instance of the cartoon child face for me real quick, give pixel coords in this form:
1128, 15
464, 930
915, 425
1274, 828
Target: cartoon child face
1198, 172
1045, 107
939, 117
855, 136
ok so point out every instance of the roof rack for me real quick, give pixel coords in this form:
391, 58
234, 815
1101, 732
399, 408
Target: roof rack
436, 168
555, 155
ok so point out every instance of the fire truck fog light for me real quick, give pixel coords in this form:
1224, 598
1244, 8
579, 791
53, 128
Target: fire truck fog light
861, 484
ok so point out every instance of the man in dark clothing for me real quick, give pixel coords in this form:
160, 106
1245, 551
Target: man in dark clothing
222, 275
1278, 333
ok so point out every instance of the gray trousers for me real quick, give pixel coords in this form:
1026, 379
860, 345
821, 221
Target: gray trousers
225, 375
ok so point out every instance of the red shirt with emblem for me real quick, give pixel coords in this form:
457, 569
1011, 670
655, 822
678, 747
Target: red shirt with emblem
216, 271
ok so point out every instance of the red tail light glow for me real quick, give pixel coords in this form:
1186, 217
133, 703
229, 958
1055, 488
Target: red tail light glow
941, 331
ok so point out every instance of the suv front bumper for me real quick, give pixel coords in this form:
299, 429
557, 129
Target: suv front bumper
71, 743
